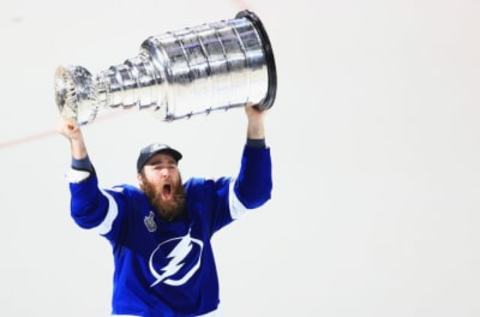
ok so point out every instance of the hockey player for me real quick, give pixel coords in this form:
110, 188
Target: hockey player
160, 232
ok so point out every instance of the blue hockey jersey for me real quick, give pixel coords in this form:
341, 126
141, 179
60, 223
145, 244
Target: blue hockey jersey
167, 268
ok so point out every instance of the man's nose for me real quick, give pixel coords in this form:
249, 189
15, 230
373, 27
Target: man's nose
164, 172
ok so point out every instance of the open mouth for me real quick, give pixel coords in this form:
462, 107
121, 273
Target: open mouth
167, 192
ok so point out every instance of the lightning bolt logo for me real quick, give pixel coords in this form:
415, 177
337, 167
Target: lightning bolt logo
176, 259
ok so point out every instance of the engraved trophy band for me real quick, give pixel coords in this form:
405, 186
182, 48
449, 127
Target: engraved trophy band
179, 74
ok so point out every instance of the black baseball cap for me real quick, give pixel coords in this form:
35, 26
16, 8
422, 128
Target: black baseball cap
150, 150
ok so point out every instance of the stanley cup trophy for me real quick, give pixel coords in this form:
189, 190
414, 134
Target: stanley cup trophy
196, 70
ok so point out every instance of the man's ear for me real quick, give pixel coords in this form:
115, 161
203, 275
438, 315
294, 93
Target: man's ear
140, 179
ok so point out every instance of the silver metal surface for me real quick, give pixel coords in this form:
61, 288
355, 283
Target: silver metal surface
195, 70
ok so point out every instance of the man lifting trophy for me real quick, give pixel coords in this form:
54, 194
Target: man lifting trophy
160, 231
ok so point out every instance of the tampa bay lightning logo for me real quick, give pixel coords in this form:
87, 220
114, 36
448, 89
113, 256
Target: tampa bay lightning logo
174, 261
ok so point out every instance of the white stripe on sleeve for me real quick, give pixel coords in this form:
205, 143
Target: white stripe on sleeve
237, 209
106, 225
76, 176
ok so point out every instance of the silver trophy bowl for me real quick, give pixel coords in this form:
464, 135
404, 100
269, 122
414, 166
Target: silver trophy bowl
179, 74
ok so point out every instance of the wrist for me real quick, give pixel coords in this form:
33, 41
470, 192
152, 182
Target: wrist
256, 143
78, 148
83, 164
255, 130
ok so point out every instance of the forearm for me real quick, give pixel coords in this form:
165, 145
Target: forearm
83, 165
88, 205
255, 129
78, 149
254, 183
81, 168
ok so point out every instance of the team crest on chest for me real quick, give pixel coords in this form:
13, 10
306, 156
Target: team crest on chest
176, 260
150, 222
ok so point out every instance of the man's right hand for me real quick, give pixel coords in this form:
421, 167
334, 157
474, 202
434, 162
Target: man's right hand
71, 130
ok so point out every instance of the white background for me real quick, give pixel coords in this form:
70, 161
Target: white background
374, 138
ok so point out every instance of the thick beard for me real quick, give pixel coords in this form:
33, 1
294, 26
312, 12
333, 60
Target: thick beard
169, 210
